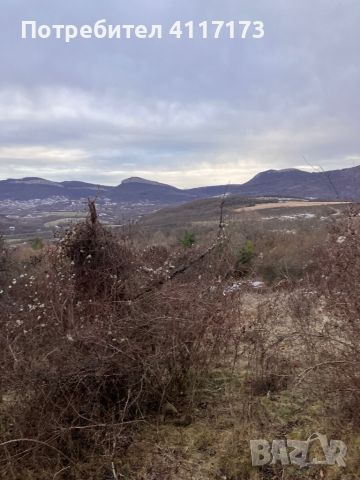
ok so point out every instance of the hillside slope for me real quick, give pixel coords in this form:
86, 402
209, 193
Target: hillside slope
332, 185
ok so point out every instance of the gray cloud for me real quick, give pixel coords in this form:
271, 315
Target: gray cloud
190, 112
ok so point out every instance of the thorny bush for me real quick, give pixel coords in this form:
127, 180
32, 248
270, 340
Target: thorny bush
94, 338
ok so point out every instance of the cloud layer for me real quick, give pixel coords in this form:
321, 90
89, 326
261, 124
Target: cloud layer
187, 112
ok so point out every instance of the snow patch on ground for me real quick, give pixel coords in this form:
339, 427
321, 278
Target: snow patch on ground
305, 216
236, 286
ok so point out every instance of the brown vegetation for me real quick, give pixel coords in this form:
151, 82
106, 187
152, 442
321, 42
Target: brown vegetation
93, 339
123, 358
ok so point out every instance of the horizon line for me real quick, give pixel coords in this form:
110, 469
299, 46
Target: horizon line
168, 184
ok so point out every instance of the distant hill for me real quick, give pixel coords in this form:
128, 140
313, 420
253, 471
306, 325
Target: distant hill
332, 185
337, 184
131, 190
38, 188
143, 181
140, 190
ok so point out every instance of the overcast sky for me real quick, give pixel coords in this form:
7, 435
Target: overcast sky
186, 112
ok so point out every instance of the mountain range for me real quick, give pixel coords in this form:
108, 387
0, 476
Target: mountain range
341, 184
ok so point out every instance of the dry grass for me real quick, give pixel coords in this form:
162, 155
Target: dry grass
287, 204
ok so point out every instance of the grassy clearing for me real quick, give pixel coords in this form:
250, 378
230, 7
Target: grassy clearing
290, 204
63, 221
216, 444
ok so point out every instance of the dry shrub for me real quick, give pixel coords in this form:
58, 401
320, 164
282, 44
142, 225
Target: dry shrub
98, 257
155, 256
340, 278
271, 348
285, 255
91, 342
338, 283
5, 264
323, 314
